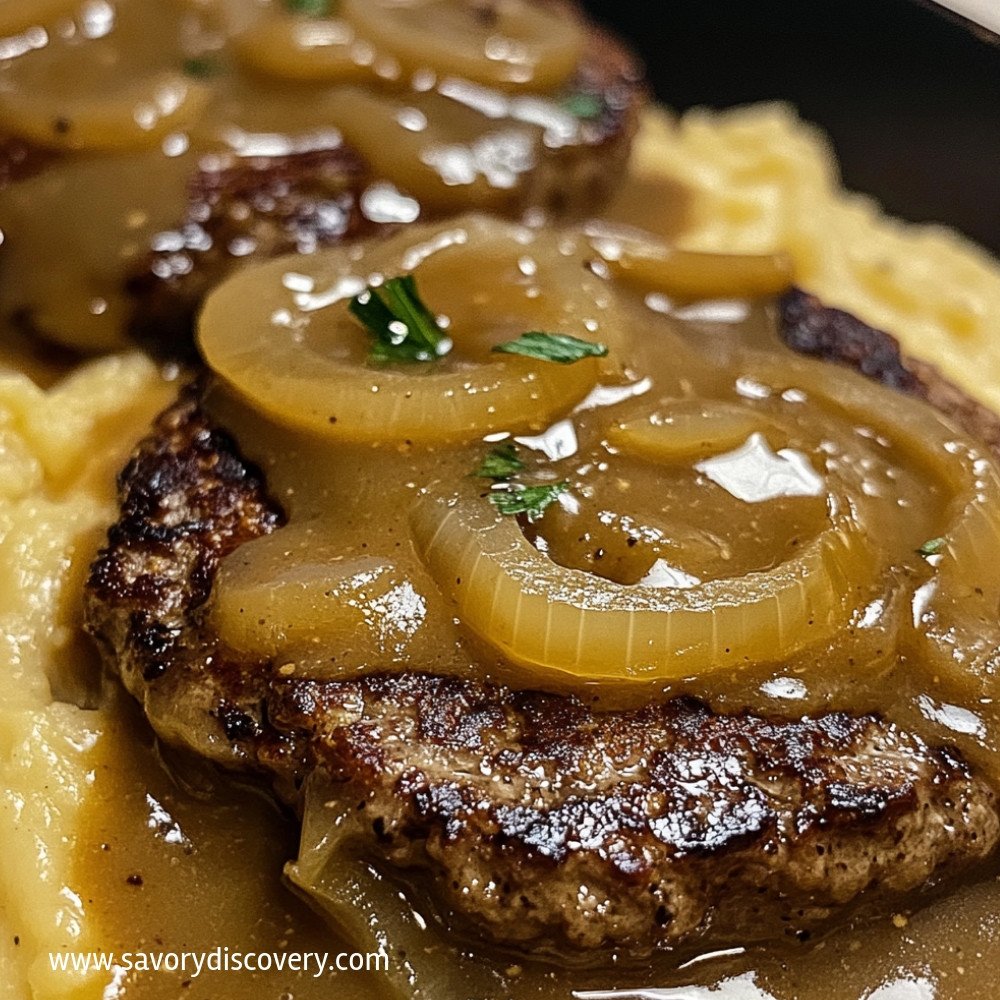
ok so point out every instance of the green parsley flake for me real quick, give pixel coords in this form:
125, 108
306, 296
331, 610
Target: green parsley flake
311, 8
202, 67
558, 347
585, 106
933, 547
403, 327
529, 500
501, 463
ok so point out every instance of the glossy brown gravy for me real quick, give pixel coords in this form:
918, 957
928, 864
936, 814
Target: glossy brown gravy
162, 867
706, 462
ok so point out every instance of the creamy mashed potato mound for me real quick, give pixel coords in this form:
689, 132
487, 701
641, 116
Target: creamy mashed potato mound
763, 180
758, 180
60, 450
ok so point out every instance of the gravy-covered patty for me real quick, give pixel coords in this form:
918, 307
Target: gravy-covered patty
159, 150
275, 600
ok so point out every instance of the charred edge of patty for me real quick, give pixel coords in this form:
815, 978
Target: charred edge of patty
673, 817
809, 327
187, 499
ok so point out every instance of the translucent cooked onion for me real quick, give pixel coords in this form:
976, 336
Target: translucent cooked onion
689, 274
261, 607
687, 429
967, 475
955, 611
451, 160
507, 43
302, 358
137, 116
548, 618
955, 607
368, 909
305, 48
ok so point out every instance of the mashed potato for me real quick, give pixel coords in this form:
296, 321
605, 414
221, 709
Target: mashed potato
59, 453
759, 180
763, 180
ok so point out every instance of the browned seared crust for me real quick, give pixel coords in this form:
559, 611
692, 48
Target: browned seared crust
187, 500
673, 817
810, 327
550, 823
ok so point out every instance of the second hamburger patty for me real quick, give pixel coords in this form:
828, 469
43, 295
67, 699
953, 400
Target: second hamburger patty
675, 818
242, 209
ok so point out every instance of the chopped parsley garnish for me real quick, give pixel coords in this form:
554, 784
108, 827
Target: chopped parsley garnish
202, 67
528, 500
403, 327
585, 106
311, 8
501, 463
933, 547
558, 347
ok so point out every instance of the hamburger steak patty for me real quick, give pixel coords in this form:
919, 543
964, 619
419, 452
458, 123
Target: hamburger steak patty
242, 210
671, 816
549, 823
302, 202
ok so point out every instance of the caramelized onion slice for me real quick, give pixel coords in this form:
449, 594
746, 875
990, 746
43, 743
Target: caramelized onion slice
955, 610
275, 606
548, 618
957, 598
967, 475
687, 429
690, 274
136, 117
303, 359
447, 158
371, 911
313, 49
503, 43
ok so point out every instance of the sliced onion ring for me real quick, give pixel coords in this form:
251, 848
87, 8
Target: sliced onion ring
321, 50
512, 44
307, 368
969, 476
259, 608
568, 622
137, 117
687, 429
651, 266
956, 609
